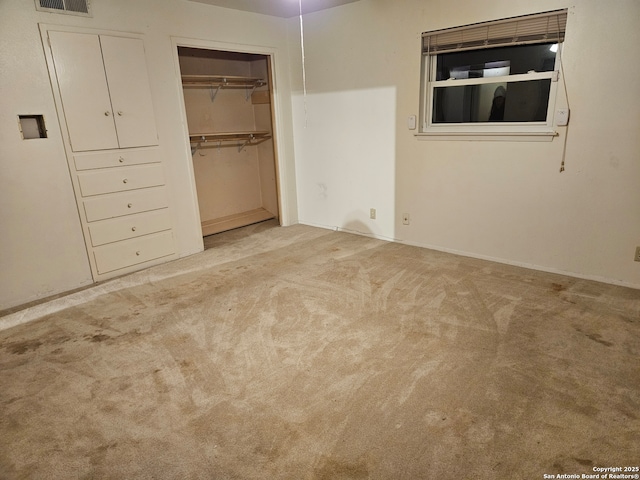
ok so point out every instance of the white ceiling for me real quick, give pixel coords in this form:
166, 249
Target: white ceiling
278, 8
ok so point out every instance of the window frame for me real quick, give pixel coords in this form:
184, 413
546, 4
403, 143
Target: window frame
537, 130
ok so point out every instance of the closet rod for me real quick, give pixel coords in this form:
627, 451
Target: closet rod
215, 139
224, 81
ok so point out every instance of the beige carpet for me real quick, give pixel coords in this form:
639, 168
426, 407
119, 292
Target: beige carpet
300, 353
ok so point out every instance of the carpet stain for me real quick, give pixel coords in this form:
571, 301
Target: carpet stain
20, 348
332, 469
596, 337
584, 461
307, 354
97, 338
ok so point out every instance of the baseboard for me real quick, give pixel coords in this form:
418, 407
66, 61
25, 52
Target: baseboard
530, 266
217, 225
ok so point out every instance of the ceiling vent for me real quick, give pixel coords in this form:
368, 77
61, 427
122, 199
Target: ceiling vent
71, 7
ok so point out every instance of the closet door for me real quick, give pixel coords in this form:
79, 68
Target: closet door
105, 91
126, 69
84, 91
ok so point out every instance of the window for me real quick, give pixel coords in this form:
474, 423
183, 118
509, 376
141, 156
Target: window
493, 77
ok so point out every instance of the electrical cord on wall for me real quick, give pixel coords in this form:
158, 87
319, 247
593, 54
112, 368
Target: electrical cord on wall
566, 96
566, 128
304, 72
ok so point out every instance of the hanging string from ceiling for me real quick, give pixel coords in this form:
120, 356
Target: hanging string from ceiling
304, 72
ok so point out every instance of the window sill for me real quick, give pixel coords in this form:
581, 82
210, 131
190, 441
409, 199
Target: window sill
540, 136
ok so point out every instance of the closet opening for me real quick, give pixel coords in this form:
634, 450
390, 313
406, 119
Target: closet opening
228, 103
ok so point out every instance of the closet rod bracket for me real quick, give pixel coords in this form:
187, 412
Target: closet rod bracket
248, 95
246, 142
213, 93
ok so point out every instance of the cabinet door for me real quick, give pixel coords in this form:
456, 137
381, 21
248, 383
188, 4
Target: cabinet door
126, 68
83, 88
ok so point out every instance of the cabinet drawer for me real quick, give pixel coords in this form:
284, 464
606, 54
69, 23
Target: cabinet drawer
129, 226
126, 203
119, 158
97, 182
115, 256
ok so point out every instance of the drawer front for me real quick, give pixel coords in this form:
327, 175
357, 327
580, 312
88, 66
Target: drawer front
98, 182
126, 203
127, 253
117, 158
129, 226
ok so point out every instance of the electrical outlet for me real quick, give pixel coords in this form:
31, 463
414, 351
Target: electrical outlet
406, 220
372, 213
637, 257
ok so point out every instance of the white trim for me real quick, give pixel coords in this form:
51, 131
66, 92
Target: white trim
542, 136
348, 230
286, 213
45, 28
529, 266
522, 77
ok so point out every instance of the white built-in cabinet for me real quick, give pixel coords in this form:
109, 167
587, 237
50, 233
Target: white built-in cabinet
115, 162
105, 91
227, 98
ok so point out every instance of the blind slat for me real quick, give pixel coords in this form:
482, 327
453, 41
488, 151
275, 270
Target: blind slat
475, 34
537, 28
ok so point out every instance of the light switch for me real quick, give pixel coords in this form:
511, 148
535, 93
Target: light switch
411, 122
562, 117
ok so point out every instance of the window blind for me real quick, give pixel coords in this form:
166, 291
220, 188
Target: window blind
526, 29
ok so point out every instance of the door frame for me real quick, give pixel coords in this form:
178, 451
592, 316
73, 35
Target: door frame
286, 203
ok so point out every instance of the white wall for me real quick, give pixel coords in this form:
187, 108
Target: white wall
349, 168
42, 250
499, 200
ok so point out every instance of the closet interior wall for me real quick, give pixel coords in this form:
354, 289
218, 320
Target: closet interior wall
231, 137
